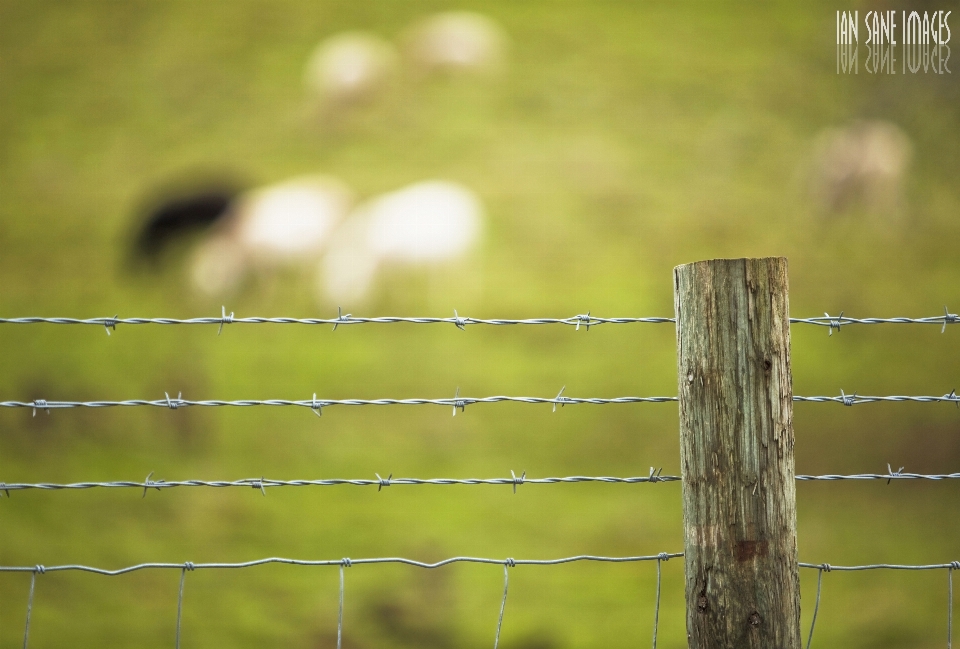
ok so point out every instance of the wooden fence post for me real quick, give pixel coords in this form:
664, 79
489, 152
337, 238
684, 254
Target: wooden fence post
736, 444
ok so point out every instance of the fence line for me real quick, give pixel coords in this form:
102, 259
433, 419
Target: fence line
506, 563
457, 402
380, 482
826, 567
342, 563
585, 319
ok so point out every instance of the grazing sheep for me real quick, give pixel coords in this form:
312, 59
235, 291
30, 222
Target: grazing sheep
457, 41
864, 163
349, 67
290, 221
287, 223
421, 225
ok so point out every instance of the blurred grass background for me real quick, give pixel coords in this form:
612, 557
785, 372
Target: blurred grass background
622, 139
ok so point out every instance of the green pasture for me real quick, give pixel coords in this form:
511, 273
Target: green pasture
622, 139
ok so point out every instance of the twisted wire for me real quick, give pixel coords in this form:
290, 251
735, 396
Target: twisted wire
457, 402
317, 404
262, 483
584, 319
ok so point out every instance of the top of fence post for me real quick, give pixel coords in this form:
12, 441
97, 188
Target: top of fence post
736, 442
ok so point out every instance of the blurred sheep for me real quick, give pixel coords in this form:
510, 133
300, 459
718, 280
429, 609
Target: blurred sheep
457, 41
423, 225
287, 223
349, 67
863, 163
290, 221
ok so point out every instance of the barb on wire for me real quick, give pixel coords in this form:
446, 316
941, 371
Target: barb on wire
341, 319
148, 484
559, 399
40, 403
514, 480
224, 319
457, 402
509, 563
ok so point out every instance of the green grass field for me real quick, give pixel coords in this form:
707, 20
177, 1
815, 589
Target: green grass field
623, 139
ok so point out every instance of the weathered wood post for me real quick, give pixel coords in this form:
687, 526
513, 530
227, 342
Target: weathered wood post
736, 445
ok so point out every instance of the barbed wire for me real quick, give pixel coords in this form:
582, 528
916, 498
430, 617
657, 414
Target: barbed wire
584, 319
263, 483
457, 402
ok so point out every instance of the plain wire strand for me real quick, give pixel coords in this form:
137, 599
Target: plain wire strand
26, 628
656, 610
816, 607
329, 562
954, 566
456, 402
340, 610
503, 602
183, 576
438, 564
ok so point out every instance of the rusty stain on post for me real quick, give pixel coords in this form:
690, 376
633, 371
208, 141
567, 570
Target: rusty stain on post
736, 441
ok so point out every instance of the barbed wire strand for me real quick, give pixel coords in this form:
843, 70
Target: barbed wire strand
585, 319
816, 606
509, 563
33, 583
457, 402
262, 483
